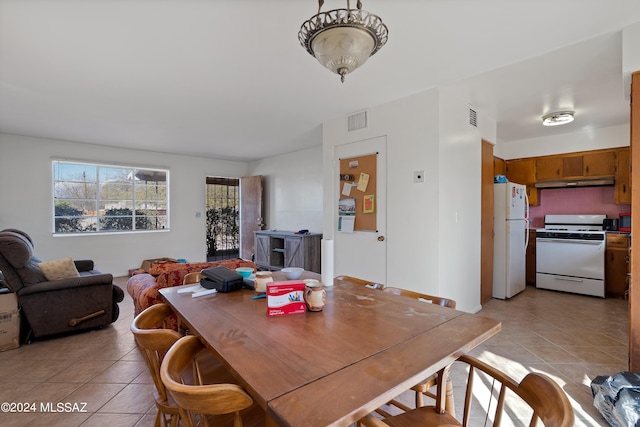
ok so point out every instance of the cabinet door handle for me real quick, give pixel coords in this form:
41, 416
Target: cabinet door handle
380, 238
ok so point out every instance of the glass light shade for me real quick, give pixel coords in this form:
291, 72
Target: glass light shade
342, 49
557, 118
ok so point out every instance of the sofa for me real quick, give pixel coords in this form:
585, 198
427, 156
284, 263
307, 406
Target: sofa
144, 287
57, 296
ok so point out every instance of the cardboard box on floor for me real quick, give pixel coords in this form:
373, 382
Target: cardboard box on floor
9, 322
147, 263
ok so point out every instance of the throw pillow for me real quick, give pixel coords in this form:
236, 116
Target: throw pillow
59, 269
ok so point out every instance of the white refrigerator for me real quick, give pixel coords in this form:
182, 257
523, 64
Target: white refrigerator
511, 237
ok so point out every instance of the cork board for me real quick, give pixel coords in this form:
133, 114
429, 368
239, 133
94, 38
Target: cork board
361, 168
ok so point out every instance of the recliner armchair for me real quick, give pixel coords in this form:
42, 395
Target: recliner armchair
50, 307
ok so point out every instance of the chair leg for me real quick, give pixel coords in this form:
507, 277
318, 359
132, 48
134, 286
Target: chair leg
449, 405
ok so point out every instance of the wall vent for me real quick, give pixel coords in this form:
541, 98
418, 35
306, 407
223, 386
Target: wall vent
473, 117
357, 121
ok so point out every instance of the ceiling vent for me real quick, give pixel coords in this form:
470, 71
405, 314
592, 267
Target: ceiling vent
473, 117
357, 121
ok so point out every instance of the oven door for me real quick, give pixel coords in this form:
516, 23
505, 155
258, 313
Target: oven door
570, 257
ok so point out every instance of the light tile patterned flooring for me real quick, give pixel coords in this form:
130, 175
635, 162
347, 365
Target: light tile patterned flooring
570, 337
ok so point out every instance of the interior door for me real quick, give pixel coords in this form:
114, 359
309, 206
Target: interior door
250, 213
363, 254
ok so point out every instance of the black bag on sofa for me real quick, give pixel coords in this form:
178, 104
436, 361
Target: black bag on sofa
221, 279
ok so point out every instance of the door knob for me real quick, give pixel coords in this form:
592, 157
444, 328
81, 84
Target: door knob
380, 238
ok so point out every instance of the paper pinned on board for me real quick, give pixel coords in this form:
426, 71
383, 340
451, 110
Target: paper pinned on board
363, 182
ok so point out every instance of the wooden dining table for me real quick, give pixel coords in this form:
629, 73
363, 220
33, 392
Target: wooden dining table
332, 367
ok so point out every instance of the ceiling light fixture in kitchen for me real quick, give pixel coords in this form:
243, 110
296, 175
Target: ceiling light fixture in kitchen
343, 39
557, 118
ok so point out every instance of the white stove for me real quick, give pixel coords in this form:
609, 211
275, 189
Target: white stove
570, 254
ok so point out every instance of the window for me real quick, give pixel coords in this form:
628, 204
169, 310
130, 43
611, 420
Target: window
94, 198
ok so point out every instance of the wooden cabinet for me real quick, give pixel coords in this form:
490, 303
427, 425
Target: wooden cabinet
622, 186
278, 249
523, 171
572, 166
531, 259
549, 168
499, 166
599, 163
615, 265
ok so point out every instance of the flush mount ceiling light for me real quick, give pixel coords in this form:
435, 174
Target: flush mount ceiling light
343, 39
557, 118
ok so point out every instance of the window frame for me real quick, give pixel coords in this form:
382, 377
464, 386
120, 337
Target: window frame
94, 224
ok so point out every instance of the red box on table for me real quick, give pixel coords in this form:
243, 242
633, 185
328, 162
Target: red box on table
285, 297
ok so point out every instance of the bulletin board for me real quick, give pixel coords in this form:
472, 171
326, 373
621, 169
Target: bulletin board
360, 169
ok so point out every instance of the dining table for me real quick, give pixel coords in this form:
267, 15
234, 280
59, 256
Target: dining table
330, 367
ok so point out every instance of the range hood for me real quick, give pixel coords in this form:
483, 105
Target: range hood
578, 182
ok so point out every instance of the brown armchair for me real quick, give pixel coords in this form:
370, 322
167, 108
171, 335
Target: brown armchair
49, 307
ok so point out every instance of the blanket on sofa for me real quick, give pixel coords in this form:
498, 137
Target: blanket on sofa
144, 287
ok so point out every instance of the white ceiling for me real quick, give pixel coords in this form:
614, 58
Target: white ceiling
228, 79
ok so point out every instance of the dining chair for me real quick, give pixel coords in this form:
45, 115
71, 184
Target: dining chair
201, 402
154, 339
444, 302
192, 278
546, 402
425, 387
349, 279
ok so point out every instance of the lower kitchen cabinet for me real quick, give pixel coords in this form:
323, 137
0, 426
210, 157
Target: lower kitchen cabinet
615, 264
275, 250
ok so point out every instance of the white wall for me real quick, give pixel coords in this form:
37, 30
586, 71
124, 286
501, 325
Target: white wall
26, 194
595, 139
459, 201
427, 250
292, 190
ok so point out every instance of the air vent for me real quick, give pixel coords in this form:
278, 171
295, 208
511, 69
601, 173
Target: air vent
473, 117
357, 121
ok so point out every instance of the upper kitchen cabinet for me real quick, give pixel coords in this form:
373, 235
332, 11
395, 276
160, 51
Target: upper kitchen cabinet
499, 166
599, 163
523, 171
549, 168
622, 186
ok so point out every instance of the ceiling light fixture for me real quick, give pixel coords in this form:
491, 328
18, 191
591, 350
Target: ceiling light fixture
557, 118
343, 39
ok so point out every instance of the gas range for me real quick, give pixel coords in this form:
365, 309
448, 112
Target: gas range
582, 227
570, 254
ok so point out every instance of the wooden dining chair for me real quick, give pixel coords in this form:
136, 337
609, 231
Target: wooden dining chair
348, 279
154, 339
546, 402
201, 402
444, 302
425, 387
192, 278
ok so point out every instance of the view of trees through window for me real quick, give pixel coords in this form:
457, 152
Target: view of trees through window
223, 218
91, 198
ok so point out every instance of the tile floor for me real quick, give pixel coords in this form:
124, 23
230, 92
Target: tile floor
570, 337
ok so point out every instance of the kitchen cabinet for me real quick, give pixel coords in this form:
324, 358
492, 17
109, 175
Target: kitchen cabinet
531, 259
549, 168
279, 249
622, 186
599, 163
523, 171
499, 166
615, 264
